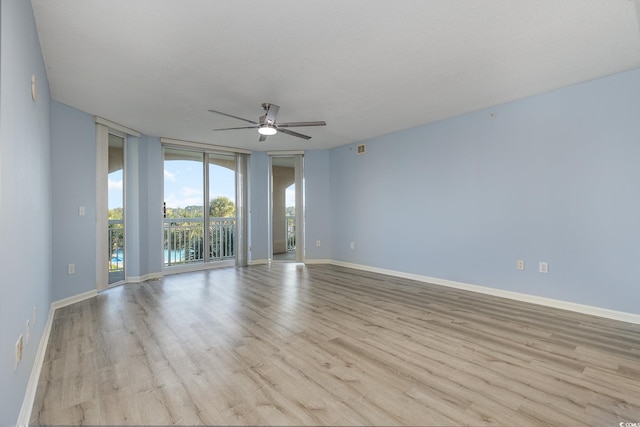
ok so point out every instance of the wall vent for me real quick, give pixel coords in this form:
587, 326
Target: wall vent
361, 149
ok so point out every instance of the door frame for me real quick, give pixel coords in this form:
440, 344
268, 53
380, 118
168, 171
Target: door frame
239, 241
103, 129
125, 168
298, 157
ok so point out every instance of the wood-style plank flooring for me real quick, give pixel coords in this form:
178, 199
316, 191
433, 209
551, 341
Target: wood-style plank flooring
289, 344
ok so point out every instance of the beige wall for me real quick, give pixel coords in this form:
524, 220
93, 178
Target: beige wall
283, 177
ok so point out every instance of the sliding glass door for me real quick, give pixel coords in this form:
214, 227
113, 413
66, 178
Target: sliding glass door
199, 207
222, 206
183, 207
287, 208
115, 202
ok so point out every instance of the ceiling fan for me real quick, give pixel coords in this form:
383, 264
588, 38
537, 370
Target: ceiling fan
267, 124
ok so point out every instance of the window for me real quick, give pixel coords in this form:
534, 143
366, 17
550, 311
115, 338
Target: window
193, 234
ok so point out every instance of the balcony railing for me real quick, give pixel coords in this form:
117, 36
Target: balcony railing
291, 233
184, 240
116, 246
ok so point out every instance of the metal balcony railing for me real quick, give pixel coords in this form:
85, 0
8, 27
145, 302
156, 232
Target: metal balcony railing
184, 240
116, 245
291, 233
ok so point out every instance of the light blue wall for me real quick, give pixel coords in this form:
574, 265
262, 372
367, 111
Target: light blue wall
132, 206
73, 138
552, 178
143, 207
317, 205
25, 200
258, 206
151, 197
74, 175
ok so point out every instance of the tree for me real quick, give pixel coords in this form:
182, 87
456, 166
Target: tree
222, 207
187, 230
290, 211
115, 213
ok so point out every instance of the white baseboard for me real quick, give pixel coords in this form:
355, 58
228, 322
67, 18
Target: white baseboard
144, 278
32, 385
188, 268
549, 302
72, 300
306, 261
317, 261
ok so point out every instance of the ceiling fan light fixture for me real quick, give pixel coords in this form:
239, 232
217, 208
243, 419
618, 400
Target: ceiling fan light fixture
267, 125
267, 130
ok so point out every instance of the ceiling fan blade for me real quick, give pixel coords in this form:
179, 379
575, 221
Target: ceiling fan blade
262, 138
292, 133
243, 127
272, 111
301, 124
234, 117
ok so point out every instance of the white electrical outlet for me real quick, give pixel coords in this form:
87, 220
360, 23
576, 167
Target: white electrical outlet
81, 211
28, 332
71, 269
520, 264
543, 267
352, 245
318, 243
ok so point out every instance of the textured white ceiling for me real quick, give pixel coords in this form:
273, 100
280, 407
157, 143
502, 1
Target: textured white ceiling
366, 67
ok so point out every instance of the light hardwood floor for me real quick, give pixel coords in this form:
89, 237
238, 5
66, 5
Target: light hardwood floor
289, 344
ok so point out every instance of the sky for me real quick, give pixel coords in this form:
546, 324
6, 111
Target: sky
183, 185
115, 189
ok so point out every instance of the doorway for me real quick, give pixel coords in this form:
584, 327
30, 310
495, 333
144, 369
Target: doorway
287, 208
115, 201
199, 208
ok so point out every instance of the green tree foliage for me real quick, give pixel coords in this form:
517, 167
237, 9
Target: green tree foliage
188, 212
222, 207
115, 213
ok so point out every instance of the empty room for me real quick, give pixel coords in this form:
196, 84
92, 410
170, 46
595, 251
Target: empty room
320, 213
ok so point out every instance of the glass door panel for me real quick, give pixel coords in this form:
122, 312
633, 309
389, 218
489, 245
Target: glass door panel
222, 206
290, 218
116, 209
285, 209
184, 214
